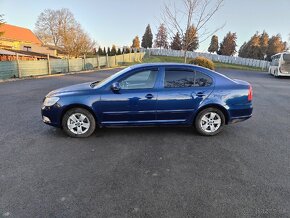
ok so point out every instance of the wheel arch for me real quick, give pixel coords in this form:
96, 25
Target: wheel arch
217, 106
78, 106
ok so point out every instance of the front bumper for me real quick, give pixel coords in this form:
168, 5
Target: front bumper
52, 115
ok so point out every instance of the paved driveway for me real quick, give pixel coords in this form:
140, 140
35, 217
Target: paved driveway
144, 172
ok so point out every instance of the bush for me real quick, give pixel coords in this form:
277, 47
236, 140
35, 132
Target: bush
202, 61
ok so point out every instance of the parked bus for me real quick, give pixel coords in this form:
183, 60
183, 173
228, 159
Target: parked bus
280, 64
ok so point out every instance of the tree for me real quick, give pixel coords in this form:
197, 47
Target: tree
264, 43
228, 45
104, 51
126, 50
161, 37
176, 43
109, 51
119, 51
214, 44
113, 50
100, 51
136, 42
243, 50
59, 27
52, 25
256, 47
252, 48
77, 42
190, 40
260, 46
276, 45
147, 39
195, 13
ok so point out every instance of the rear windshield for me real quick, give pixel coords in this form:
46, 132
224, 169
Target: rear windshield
286, 57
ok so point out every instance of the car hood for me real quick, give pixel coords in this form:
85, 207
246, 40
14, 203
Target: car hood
82, 87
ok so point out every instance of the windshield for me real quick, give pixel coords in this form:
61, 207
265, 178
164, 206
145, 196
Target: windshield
286, 57
112, 77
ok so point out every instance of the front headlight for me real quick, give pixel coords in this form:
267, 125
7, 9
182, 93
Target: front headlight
49, 101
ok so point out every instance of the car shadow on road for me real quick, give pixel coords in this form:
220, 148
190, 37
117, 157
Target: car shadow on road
130, 132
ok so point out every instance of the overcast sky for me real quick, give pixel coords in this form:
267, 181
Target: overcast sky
118, 21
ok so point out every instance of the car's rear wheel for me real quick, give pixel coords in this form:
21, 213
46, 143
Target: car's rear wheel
209, 121
78, 123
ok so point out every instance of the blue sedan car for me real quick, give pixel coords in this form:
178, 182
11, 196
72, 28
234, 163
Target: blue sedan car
151, 95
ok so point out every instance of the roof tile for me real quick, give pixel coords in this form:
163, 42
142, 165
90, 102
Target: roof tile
18, 34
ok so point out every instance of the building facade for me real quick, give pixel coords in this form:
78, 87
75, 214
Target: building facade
16, 38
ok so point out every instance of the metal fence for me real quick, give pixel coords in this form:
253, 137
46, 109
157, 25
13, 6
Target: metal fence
20, 69
218, 58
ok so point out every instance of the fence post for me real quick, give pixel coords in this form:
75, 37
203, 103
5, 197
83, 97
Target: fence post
84, 62
115, 60
48, 65
107, 60
98, 61
68, 65
130, 56
135, 55
18, 66
123, 57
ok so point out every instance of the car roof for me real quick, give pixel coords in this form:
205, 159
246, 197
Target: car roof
160, 64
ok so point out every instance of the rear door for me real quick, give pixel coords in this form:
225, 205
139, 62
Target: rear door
182, 91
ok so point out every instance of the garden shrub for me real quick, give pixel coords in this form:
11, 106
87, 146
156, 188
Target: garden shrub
204, 62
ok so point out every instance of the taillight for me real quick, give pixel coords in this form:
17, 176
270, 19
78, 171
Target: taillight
250, 93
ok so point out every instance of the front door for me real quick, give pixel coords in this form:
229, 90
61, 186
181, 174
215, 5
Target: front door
135, 103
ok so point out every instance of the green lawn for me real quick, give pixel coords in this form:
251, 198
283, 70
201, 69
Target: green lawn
181, 60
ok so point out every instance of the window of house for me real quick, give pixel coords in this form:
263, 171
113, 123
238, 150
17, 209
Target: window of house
27, 48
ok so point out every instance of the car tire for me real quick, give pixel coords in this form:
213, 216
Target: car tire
209, 121
78, 123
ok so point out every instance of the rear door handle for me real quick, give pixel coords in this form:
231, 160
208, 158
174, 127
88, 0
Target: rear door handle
200, 94
149, 96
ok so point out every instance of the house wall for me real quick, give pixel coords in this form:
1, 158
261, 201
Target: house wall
18, 45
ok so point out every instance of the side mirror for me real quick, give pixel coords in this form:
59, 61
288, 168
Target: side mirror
116, 87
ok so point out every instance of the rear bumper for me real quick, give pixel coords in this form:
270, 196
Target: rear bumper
241, 113
239, 119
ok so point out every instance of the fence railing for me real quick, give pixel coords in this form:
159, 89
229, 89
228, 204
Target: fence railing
20, 69
218, 58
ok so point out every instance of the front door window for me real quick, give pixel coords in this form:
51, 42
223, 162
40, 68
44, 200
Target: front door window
140, 80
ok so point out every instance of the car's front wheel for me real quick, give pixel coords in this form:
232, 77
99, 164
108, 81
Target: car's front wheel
78, 123
209, 121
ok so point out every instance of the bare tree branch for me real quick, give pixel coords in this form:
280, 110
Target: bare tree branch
192, 19
59, 27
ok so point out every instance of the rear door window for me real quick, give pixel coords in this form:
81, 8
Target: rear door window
182, 78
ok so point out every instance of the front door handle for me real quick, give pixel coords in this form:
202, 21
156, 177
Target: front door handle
149, 96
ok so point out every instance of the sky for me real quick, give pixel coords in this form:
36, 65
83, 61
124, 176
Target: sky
119, 21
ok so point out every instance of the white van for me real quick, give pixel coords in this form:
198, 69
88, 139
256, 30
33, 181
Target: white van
280, 64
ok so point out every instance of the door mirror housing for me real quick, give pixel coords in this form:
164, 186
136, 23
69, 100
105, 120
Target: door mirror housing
116, 87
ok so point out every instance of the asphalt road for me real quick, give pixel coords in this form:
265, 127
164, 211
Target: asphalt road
144, 172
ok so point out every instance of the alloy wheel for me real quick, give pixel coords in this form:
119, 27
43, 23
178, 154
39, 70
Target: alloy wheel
210, 122
78, 123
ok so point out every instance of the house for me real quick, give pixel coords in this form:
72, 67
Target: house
23, 40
